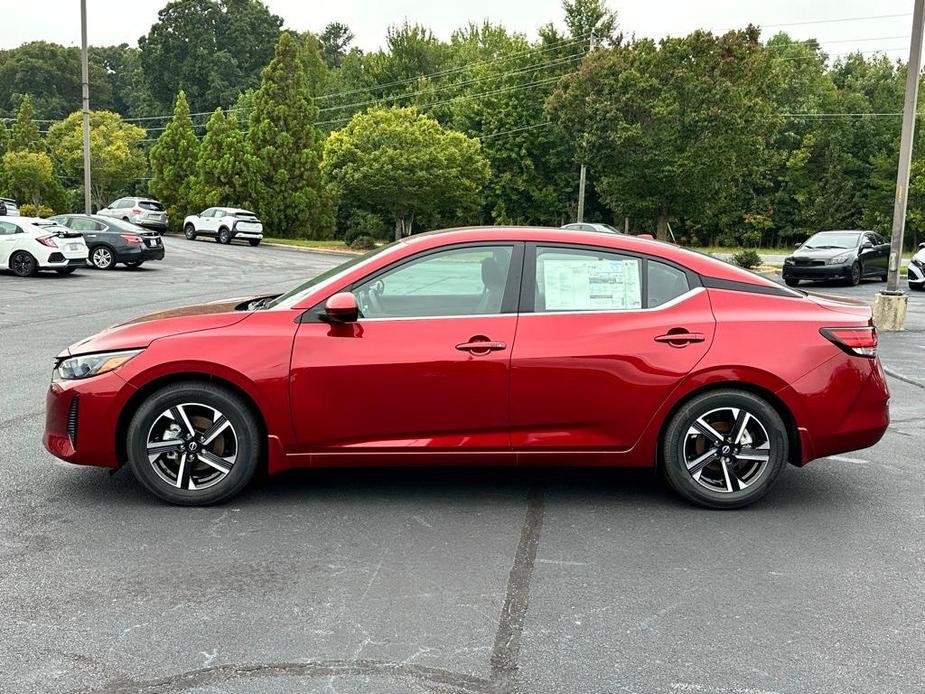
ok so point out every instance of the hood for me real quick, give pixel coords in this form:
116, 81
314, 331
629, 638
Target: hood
141, 332
820, 253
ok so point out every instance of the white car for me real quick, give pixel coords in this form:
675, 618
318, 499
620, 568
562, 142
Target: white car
143, 212
30, 244
12, 209
916, 269
225, 224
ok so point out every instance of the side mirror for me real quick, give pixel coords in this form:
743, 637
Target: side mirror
866, 246
797, 245
341, 308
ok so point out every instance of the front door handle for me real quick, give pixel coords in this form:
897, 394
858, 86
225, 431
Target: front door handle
479, 344
680, 338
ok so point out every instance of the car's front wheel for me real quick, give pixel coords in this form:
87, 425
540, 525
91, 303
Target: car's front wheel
193, 444
854, 278
791, 282
224, 236
23, 264
190, 232
102, 258
724, 449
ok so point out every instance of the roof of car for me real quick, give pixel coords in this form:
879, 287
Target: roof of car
232, 209
698, 262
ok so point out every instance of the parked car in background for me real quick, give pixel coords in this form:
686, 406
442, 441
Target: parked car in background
916, 270
838, 255
482, 346
144, 212
30, 244
225, 224
8, 207
592, 226
113, 241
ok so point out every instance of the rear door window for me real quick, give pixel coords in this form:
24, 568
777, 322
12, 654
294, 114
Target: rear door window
571, 279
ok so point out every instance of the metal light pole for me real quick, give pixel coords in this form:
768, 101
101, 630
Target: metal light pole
584, 168
85, 93
890, 305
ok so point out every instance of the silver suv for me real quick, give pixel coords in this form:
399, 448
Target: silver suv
144, 212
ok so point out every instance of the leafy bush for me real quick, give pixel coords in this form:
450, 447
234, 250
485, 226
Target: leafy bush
29, 210
747, 258
363, 243
364, 223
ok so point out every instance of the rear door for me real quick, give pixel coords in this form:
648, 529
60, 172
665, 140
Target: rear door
602, 340
8, 239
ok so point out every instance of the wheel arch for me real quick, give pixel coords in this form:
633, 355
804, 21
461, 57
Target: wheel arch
794, 442
138, 397
16, 251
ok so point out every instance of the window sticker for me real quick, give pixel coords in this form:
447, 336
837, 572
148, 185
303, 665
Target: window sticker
588, 284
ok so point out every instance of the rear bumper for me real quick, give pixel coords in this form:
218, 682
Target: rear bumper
816, 272
57, 261
841, 406
246, 234
81, 419
135, 255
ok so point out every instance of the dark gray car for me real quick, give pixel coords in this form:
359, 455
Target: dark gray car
838, 255
112, 241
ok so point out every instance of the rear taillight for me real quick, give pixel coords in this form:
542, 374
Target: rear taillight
131, 238
859, 342
136, 211
47, 241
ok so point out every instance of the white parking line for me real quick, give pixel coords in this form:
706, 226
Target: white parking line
843, 459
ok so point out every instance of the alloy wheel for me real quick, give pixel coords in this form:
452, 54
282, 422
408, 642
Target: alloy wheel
727, 449
102, 258
23, 264
192, 446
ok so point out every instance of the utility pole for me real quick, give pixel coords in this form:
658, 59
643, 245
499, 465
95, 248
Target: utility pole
85, 107
584, 169
890, 305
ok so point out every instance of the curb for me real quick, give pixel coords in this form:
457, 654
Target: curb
304, 249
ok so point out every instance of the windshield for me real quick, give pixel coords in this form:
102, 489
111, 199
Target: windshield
833, 239
293, 295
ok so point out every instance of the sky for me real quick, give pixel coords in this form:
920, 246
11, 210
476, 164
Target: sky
118, 21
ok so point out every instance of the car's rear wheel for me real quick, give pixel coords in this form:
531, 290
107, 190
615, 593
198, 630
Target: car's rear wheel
792, 282
102, 258
23, 264
190, 232
255, 242
854, 279
224, 236
65, 270
193, 444
724, 449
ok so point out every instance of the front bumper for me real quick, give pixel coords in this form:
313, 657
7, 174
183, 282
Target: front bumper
81, 419
817, 272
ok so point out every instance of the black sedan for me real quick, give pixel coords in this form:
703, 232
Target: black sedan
114, 241
849, 256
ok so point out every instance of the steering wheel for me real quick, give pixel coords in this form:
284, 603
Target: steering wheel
368, 299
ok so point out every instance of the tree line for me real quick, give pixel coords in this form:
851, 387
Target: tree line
731, 139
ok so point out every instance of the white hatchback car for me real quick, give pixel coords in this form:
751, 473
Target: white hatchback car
30, 244
225, 224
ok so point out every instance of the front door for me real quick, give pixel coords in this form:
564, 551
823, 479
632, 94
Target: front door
608, 338
426, 366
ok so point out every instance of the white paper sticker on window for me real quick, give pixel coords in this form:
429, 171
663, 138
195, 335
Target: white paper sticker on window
573, 283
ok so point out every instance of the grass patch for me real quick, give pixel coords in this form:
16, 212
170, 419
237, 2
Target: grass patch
333, 245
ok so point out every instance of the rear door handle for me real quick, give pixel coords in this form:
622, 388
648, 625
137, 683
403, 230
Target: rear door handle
679, 339
480, 345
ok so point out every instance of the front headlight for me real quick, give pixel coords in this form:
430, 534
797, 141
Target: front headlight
86, 365
839, 259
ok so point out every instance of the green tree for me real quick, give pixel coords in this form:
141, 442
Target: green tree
174, 159
404, 163
284, 149
116, 155
24, 133
669, 130
222, 177
335, 40
29, 176
210, 49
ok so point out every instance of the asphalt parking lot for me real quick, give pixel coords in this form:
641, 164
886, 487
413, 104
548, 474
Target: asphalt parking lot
463, 580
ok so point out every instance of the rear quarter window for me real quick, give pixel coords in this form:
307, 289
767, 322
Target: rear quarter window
664, 283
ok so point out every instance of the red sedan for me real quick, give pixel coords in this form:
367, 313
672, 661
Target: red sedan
483, 346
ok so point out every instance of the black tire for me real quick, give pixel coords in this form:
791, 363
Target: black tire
134, 264
792, 282
23, 264
65, 270
102, 257
190, 396
714, 486
254, 242
190, 232
857, 272
224, 236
